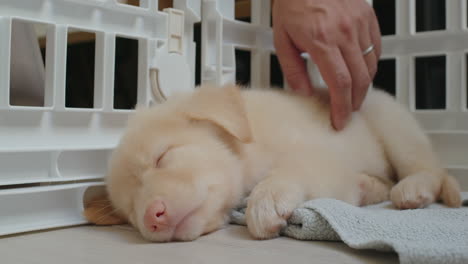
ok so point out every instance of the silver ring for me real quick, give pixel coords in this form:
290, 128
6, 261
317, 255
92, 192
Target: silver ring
368, 50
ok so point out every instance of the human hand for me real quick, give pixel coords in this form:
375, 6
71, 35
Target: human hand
335, 33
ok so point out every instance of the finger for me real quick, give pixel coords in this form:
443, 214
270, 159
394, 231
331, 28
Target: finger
357, 66
292, 64
359, 92
365, 41
335, 73
371, 62
375, 35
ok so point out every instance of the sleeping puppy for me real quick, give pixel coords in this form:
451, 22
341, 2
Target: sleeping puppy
181, 166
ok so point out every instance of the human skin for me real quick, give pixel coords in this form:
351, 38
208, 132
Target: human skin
334, 33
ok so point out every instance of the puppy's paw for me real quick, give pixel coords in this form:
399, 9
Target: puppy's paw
416, 191
269, 207
450, 192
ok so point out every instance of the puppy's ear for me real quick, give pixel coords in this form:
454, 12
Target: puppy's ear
99, 211
223, 106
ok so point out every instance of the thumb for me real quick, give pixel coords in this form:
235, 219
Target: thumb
292, 64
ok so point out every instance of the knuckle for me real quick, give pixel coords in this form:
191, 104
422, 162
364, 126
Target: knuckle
321, 34
324, 29
361, 20
343, 81
346, 27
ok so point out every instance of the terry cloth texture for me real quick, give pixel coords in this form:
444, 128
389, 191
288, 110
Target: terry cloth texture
435, 234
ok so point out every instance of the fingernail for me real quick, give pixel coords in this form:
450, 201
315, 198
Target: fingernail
340, 123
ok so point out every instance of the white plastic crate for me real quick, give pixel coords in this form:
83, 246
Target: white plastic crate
59, 145
221, 35
448, 126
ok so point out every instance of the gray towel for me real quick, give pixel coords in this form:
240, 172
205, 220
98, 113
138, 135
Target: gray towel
435, 234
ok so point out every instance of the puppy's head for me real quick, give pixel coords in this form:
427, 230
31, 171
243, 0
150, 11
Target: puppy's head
176, 173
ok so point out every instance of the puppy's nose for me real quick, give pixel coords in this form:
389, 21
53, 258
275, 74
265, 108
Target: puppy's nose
155, 216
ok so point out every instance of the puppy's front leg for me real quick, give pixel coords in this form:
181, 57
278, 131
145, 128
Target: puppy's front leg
270, 205
297, 179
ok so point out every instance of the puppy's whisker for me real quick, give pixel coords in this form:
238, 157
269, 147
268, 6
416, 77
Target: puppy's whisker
104, 208
98, 201
106, 215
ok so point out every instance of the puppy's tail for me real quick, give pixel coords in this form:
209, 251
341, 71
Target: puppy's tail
450, 192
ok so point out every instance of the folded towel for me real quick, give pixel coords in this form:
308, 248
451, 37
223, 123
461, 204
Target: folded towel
435, 234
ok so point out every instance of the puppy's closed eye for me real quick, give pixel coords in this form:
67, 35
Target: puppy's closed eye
161, 156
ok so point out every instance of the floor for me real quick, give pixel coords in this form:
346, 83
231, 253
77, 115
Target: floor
121, 244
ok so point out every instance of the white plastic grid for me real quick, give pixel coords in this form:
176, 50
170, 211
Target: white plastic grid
447, 128
57, 145
222, 35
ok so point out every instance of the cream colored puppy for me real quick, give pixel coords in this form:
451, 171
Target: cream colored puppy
181, 166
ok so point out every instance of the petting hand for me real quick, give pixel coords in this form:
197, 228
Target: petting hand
341, 36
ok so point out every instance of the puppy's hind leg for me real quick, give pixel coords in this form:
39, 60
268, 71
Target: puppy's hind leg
422, 179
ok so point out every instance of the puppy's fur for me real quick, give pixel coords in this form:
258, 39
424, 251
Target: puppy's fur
201, 153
